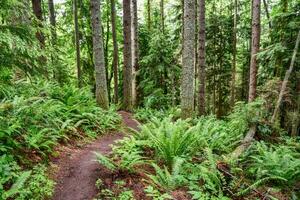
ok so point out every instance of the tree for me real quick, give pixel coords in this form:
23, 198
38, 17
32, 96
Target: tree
52, 20
162, 15
115, 61
188, 70
77, 44
37, 10
233, 72
201, 56
127, 57
254, 49
101, 81
149, 14
286, 79
135, 51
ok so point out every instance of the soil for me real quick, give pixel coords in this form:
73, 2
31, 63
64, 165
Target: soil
77, 170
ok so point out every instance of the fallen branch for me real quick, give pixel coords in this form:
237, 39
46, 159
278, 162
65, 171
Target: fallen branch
245, 143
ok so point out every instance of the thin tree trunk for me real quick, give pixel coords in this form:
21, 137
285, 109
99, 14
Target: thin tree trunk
267, 13
234, 51
56, 71
188, 70
162, 16
149, 14
135, 51
254, 49
127, 70
115, 61
106, 49
52, 21
201, 56
75, 9
285, 80
101, 84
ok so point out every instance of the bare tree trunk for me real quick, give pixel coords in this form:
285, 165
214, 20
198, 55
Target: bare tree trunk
201, 56
127, 70
232, 96
268, 14
188, 69
286, 79
75, 9
149, 14
56, 71
101, 83
37, 10
162, 15
115, 61
135, 51
254, 48
253, 72
52, 21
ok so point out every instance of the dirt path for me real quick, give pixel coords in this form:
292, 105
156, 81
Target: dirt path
78, 171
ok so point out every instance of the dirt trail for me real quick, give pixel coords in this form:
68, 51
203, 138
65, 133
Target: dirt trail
78, 171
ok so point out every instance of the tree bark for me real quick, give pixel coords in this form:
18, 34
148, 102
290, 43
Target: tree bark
162, 16
268, 14
77, 44
52, 21
285, 80
234, 51
127, 66
254, 49
188, 69
101, 83
37, 10
115, 61
149, 14
201, 56
135, 51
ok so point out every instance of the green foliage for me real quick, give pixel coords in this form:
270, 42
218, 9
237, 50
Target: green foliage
279, 163
166, 180
155, 194
106, 162
32, 184
35, 117
41, 118
170, 139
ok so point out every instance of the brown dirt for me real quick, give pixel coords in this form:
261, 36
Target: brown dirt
77, 169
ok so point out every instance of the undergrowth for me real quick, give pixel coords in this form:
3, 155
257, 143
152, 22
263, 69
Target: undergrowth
34, 118
194, 156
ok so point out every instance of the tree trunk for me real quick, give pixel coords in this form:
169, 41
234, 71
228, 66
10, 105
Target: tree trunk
234, 51
286, 79
135, 51
37, 10
52, 21
56, 71
268, 14
127, 70
188, 69
162, 16
115, 61
201, 56
254, 48
101, 83
149, 14
75, 9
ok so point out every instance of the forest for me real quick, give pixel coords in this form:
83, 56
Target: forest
149, 99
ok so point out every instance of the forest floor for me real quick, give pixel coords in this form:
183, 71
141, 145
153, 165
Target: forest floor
78, 171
